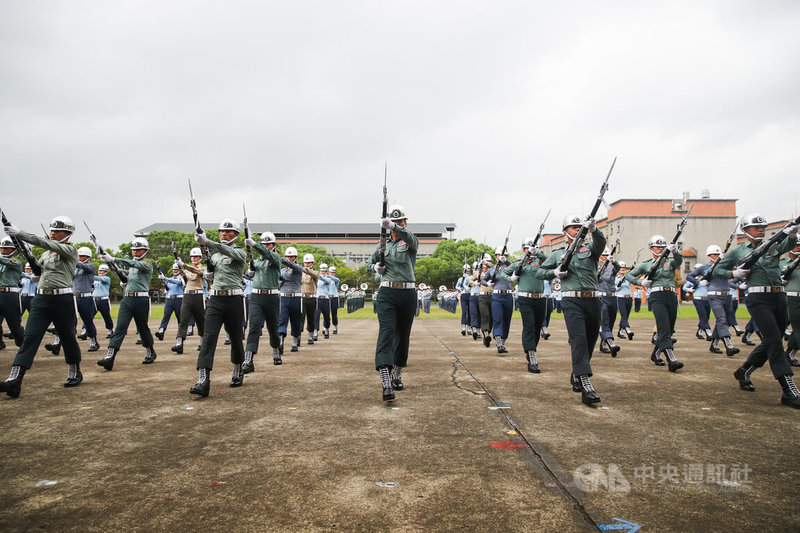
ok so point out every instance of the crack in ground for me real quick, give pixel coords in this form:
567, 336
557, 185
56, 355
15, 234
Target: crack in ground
541, 462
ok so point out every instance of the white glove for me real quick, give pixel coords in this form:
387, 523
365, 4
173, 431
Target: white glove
379, 268
743, 286
490, 284
123, 285
11, 230
590, 224
201, 238
35, 278
646, 282
610, 259
249, 242
250, 273
387, 224
208, 275
162, 277
514, 278
108, 258
672, 247
503, 259
688, 290
741, 273
703, 283
535, 251
179, 262
791, 231
560, 274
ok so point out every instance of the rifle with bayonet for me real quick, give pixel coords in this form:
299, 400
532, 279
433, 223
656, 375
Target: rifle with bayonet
384, 214
621, 280
44, 231
122, 276
710, 271
578, 240
665, 252
247, 236
198, 229
22, 248
502, 253
175, 255
751, 258
789, 268
611, 254
531, 246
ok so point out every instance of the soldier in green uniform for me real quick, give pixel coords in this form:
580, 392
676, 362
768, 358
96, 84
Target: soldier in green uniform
135, 303
396, 300
225, 304
580, 300
53, 303
793, 301
265, 302
663, 299
10, 274
766, 301
532, 301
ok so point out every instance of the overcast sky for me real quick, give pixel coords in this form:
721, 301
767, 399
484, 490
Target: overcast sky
488, 113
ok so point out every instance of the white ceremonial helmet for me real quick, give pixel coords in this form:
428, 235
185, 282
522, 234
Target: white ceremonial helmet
85, 251
102, 266
267, 238
332, 270
622, 264
62, 223
140, 243
308, 258
175, 266
713, 249
195, 252
6, 242
396, 213
290, 252
753, 219
571, 220
657, 240
527, 242
323, 266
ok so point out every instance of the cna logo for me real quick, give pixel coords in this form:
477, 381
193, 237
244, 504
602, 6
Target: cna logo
591, 477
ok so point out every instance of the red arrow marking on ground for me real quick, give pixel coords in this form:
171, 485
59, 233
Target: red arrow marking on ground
506, 445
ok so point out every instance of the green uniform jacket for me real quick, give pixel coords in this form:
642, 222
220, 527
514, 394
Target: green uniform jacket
401, 256
228, 264
268, 268
528, 282
664, 276
10, 271
140, 273
58, 264
793, 283
582, 272
765, 273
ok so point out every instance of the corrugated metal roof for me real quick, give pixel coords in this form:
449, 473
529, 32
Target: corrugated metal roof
311, 230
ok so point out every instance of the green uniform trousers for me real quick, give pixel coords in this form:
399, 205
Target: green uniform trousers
264, 308
582, 317
309, 309
770, 312
136, 308
664, 305
395, 308
533, 311
11, 311
485, 310
227, 311
794, 320
58, 310
192, 306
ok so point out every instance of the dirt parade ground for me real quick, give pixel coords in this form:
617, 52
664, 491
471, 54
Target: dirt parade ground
474, 443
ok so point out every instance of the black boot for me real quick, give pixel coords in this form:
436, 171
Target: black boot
55, 347
588, 394
13, 384
790, 354
576, 383
150, 355
280, 346
487, 339
160, 334
138, 339
82, 335
709, 334
545, 334
672, 361
790, 396
203, 385
714, 346
107, 362
620, 333
737, 330
474, 334
326, 334
654, 337
743, 375
227, 340
730, 349
397, 383
190, 332
295, 344
746, 338
656, 358
94, 345
501, 348
178, 348
386, 383
463, 330
613, 349
629, 332
74, 378
699, 333
603, 347
248, 366
276, 356
533, 363
237, 379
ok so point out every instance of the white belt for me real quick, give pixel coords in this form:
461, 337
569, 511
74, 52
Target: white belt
193, 291
580, 294
700, 298
764, 289
83, 295
531, 294
51, 292
626, 296
101, 298
291, 294
659, 289
502, 291
398, 284
226, 292
335, 296
137, 294
310, 296
172, 296
266, 291
606, 294
9, 289
792, 293
719, 293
